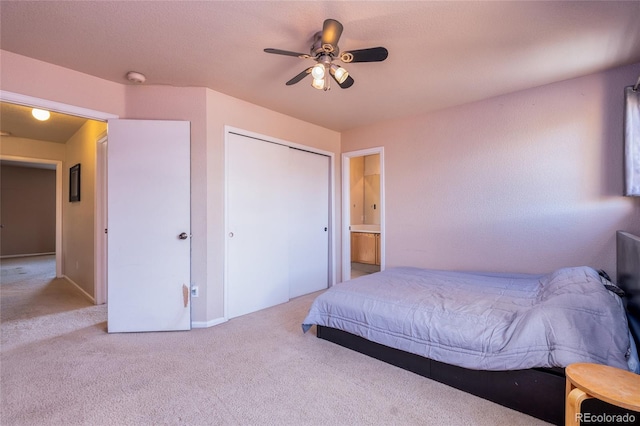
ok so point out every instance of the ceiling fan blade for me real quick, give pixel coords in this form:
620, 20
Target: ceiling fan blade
348, 82
331, 32
288, 53
373, 54
299, 77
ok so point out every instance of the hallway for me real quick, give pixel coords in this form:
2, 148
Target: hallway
35, 305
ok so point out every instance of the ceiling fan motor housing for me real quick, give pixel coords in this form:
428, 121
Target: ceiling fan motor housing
318, 49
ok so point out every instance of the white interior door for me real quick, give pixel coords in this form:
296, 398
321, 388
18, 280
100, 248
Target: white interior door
257, 274
308, 222
148, 185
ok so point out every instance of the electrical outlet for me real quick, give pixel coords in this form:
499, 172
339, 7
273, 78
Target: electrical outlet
194, 291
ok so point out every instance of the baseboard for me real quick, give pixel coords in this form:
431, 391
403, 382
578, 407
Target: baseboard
9, 256
207, 324
82, 291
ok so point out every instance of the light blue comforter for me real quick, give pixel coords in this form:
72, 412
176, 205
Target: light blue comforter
483, 321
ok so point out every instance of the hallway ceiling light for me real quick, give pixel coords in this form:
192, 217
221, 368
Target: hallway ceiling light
40, 114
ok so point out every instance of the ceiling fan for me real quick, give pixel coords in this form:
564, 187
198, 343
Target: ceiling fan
324, 51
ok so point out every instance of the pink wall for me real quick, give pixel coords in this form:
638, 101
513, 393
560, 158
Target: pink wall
31, 77
526, 182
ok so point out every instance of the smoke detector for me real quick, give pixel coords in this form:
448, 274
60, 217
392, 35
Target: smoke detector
136, 77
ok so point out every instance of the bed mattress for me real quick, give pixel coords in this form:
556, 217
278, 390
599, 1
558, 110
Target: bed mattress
483, 321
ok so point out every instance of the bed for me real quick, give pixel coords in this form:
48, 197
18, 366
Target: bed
503, 337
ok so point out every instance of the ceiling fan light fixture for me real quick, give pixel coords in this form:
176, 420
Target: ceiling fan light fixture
321, 83
318, 83
339, 73
40, 114
317, 72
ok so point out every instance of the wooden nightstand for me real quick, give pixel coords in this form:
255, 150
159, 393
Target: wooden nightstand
612, 385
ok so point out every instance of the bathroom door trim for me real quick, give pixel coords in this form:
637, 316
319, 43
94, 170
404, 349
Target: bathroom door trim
346, 210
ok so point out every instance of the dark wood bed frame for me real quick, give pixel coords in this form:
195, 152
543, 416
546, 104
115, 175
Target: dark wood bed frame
538, 392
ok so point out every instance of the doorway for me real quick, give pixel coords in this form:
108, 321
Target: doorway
56, 166
363, 212
30, 157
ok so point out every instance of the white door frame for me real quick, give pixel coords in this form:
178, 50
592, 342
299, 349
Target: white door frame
346, 210
100, 240
16, 98
332, 228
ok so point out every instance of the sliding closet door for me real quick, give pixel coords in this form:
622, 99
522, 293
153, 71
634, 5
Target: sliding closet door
257, 218
309, 222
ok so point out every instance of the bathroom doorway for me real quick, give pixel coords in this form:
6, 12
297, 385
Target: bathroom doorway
363, 212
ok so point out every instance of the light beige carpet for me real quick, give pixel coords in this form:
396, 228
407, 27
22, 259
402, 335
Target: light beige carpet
58, 366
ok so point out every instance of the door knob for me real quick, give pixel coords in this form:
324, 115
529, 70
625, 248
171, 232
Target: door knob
183, 236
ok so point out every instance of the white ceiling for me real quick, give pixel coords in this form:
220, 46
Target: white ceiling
441, 53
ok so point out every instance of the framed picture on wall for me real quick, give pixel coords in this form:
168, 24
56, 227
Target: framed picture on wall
74, 183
